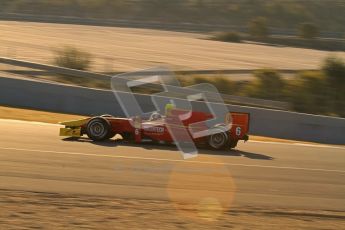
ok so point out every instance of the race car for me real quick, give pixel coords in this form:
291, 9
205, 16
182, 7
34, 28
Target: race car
157, 128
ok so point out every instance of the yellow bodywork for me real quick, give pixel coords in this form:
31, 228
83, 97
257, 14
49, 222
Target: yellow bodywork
72, 128
70, 132
75, 123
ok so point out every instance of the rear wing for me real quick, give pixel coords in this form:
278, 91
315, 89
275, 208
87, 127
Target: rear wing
240, 124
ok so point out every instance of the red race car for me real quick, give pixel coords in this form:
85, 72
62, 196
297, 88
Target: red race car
158, 128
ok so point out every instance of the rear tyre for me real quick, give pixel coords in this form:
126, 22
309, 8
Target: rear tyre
98, 129
218, 140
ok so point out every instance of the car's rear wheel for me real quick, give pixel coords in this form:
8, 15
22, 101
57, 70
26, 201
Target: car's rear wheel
218, 140
99, 129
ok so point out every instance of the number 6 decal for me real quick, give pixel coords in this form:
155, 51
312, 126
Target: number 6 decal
238, 131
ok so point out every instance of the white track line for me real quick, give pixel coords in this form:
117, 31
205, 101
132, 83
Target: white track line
173, 160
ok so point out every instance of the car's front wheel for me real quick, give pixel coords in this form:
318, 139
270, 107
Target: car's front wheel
98, 129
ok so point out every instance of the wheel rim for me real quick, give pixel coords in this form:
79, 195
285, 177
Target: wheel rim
217, 140
97, 129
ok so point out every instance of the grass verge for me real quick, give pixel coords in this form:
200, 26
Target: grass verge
35, 115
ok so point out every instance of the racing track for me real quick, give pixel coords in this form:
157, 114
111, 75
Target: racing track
258, 174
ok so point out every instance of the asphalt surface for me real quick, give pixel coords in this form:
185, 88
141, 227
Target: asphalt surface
258, 174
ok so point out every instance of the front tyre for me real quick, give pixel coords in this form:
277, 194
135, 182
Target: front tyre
98, 129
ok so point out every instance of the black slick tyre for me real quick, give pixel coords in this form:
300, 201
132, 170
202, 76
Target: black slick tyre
98, 129
218, 140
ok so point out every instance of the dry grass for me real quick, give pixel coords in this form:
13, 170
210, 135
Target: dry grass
271, 139
34, 115
123, 49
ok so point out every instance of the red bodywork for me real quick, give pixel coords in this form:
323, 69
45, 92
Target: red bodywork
157, 130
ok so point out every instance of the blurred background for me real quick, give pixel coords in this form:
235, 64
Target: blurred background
287, 53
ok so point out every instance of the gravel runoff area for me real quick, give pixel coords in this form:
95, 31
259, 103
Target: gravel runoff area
34, 210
